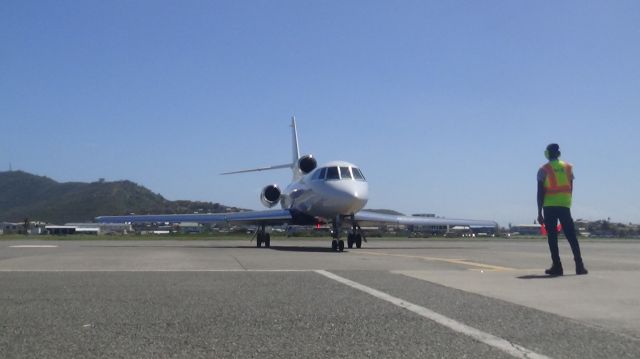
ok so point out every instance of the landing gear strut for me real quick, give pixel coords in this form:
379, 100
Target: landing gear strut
263, 237
337, 244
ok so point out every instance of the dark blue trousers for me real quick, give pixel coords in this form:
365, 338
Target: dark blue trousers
551, 217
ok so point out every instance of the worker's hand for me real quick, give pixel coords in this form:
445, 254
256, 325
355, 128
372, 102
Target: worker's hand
540, 219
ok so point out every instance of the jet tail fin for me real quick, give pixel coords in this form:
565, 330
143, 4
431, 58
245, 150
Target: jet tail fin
296, 155
296, 147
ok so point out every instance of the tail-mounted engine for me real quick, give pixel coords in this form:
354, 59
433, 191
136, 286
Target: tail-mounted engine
307, 164
270, 195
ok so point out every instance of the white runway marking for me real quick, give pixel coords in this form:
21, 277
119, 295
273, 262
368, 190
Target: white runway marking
34, 246
489, 339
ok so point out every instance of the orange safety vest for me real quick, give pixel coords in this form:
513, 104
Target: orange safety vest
557, 184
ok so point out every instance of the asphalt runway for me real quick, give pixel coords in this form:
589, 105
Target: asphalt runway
390, 299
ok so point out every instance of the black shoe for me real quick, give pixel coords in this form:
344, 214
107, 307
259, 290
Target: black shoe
580, 269
555, 270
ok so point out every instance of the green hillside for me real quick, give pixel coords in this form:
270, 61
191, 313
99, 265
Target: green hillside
24, 195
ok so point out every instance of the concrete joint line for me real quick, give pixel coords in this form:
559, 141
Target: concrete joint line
446, 260
486, 338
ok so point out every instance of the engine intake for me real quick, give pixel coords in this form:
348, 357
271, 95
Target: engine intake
307, 164
270, 195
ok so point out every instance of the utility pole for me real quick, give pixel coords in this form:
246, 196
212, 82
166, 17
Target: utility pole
27, 226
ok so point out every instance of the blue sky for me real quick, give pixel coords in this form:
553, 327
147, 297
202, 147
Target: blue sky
445, 105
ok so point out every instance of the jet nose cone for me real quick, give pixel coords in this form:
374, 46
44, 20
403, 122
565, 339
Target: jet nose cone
361, 197
346, 197
356, 198
358, 204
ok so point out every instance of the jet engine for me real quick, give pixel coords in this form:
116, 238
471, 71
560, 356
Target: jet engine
270, 195
307, 164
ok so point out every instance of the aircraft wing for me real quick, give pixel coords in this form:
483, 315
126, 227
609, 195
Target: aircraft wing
374, 217
272, 217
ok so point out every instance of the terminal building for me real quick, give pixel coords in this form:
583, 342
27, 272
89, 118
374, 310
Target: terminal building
19, 228
36, 228
101, 228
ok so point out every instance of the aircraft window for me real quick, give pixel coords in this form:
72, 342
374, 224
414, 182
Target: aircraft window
344, 173
357, 174
332, 173
320, 173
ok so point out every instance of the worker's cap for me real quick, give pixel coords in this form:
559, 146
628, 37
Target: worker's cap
553, 148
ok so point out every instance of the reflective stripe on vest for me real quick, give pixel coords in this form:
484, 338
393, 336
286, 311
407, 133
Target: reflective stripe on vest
557, 184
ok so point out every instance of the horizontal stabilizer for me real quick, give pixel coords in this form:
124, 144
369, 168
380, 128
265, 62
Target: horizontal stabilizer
259, 169
274, 216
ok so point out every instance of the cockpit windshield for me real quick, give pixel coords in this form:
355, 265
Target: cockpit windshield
338, 173
345, 173
332, 173
320, 173
357, 174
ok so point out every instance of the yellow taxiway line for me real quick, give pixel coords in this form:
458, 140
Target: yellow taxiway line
465, 262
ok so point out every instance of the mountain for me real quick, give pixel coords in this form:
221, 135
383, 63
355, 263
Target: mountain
24, 195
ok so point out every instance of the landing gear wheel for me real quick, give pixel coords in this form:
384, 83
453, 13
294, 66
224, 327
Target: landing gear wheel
259, 240
358, 241
340, 245
356, 236
334, 245
267, 240
350, 240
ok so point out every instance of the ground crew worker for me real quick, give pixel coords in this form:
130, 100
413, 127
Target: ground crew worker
555, 188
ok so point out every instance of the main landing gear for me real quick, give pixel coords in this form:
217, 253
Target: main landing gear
355, 236
337, 244
263, 237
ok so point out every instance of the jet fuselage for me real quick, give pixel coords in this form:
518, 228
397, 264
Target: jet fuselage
326, 193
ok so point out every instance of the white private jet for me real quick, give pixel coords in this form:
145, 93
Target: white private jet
333, 193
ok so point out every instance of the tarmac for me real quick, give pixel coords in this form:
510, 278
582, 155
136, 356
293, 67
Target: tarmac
391, 299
